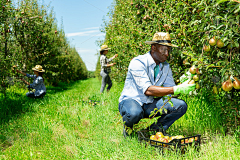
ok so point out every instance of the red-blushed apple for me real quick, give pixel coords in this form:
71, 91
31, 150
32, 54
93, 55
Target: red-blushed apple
198, 71
159, 135
227, 85
184, 141
206, 48
163, 140
192, 69
236, 83
153, 137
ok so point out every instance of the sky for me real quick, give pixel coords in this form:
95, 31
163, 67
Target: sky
82, 20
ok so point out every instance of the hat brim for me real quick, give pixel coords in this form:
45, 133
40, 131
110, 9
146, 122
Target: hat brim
165, 44
38, 70
104, 49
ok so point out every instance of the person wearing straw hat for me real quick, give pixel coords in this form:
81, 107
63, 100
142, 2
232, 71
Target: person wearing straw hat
105, 68
38, 82
149, 78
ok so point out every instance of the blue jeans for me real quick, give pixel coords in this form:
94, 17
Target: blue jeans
31, 95
132, 112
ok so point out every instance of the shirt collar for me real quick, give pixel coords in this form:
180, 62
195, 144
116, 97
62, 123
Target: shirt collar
150, 59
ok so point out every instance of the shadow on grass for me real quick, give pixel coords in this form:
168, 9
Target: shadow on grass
16, 104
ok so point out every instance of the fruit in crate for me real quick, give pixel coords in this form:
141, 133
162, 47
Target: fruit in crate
190, 140
159, 135
153, 137
163, 140
167, 137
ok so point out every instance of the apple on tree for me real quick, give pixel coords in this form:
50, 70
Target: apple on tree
206, 48
212, 41
236, 83
227, 85
192, 70
220, 43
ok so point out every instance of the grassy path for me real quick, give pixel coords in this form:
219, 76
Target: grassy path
64, 126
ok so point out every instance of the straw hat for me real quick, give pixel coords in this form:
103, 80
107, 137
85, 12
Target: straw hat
161, 38
38, 68
104, 47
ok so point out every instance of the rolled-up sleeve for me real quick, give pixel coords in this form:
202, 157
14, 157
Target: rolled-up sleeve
31, 76
169, 82
110, 59
139, 75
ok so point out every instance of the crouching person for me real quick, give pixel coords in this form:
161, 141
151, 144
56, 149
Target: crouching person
38, 82
150, 76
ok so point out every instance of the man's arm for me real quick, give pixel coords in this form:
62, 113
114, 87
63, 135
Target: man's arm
18, 71
158, 91
25, 81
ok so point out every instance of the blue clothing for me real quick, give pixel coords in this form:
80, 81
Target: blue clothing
37, 84
140, 77
132, 112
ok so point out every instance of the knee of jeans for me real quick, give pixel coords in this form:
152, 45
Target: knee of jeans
183, 106
135, 116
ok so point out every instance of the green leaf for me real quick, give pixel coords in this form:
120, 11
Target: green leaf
237, 9
211, 65
221, 1
171, 103
223, 71
213, 26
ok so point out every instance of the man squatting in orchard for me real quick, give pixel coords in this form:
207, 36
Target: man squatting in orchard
150, 76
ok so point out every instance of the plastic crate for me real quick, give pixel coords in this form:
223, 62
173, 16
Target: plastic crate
177, 145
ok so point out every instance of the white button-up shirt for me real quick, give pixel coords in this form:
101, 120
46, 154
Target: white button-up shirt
140, 77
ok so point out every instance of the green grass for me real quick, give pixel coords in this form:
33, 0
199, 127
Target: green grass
64, 126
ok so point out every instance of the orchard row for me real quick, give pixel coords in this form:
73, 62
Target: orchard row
207, 34
29, 35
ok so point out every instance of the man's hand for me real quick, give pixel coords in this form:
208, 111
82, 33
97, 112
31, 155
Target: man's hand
184, 88
25, 81
116, 55
112, 64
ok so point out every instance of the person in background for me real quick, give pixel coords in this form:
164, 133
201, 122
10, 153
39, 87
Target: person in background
149, 78
38, 82
105, 68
